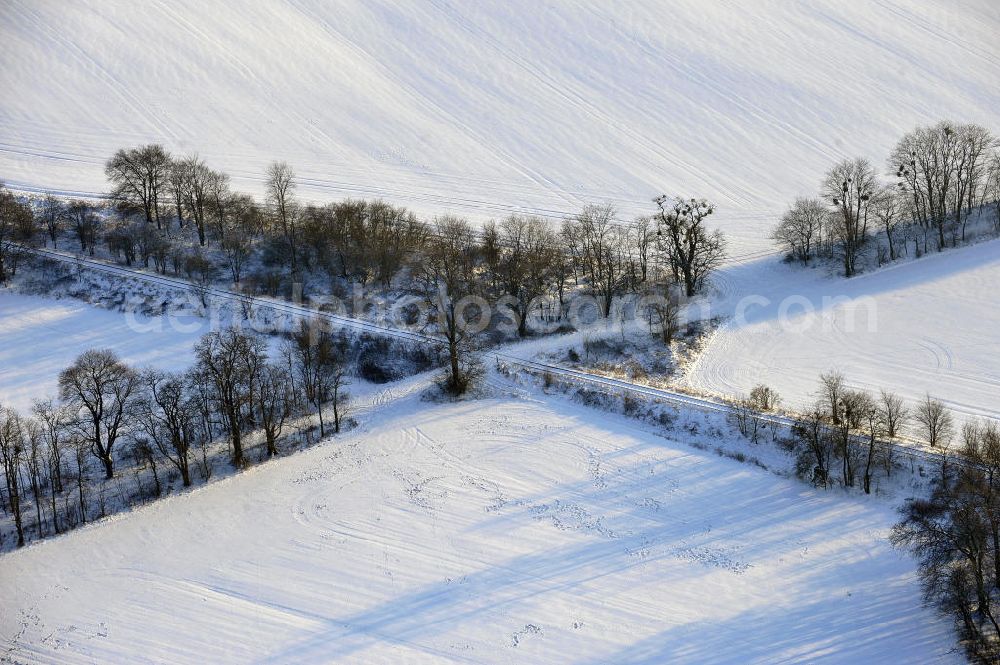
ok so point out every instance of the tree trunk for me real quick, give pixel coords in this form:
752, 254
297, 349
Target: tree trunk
237, 440
455, 371
336, 412
83, 503
35, 492
868, 466
109, 466
14, 498
996, 551
55, 513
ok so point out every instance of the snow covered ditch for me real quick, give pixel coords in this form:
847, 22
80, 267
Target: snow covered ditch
774, 450
39, 337
150, 312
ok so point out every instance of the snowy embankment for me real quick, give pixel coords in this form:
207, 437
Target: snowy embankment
921, 326
503, 530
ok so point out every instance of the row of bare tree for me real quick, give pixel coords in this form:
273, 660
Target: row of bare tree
859, 429
148, 181
954, 533
158, 198
955, 536
108, 412
937, 177
371, 241
852, 428
17, 225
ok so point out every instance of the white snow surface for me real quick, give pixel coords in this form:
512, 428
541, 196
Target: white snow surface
917, 327
509, 530
503, 530
484, 108
40, 337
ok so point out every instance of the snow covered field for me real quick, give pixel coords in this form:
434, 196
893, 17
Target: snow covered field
518, 528
922, 326
40, 337
505, 530
482, 109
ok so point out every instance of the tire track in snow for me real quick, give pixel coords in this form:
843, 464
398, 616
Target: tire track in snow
429, 104
575, 98
81, 55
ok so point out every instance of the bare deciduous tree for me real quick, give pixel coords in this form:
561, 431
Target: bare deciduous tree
600, 247
942, 169
665, 313
34, 459
816, 445
220, 202
832, 389
527, 247
643, 234
800, 230
319, 367
893, 413
230, 361
851, 186
973, 141
764, 398
52, 213
936, 420
855, 407
244, 223
196, 180
16, 225
167, 416
955, 535
991, 187
11, 455
273, 404
448, 275
889, 208
54, 420
102, 391
280, 188
84, 220
138, 177
692, 250
874, 429
176, 184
